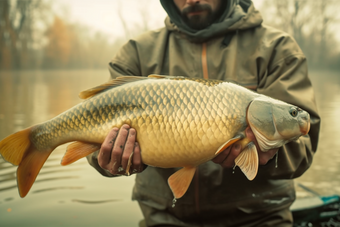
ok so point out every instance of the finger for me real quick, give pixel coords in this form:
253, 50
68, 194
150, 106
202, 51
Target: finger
137, 159
249, 134
222, 156
229, 162
264, 157
104, 155
128, 148
118, 149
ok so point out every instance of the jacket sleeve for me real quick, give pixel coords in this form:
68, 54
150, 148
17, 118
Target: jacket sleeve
124, 63
286, 78
93, 161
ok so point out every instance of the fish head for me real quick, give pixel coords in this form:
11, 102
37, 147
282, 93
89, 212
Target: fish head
275, 122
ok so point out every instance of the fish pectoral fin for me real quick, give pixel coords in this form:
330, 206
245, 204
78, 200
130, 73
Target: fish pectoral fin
78, 150
228, 143
179, 181
108, 85
248, 161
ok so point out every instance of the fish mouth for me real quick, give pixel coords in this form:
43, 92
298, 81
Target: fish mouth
305, 124
305, 130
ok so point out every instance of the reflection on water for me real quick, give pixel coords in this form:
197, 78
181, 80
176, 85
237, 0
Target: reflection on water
323, 176
40, 99
95, 202
76, 195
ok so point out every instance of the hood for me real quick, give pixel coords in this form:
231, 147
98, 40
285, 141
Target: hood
238, 15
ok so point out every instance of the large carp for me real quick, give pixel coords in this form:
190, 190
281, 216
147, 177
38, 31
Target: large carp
180, 122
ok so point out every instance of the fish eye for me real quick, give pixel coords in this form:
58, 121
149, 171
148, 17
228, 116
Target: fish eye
293, 112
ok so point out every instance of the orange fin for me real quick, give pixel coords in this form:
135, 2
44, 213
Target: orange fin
18, 150
248, 161
14, 147
78, 150
155, 76
29, 168
228, 143
119, 81
179, 181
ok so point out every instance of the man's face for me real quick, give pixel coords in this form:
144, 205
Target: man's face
198, 14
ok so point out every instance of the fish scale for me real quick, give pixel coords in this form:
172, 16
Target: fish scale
180, 122
187, 138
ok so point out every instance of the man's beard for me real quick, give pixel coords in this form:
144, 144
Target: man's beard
198, 22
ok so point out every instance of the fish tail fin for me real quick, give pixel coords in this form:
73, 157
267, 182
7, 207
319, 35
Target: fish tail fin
14, 147
29, 168
19, 150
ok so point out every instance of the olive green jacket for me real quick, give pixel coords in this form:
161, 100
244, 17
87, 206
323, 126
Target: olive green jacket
251, 54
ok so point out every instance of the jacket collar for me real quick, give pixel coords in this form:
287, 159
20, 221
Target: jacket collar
237, 16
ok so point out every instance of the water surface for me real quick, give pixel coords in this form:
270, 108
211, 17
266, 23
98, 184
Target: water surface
74, 195
324, 175
77, 195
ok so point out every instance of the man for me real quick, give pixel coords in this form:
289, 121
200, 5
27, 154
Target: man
223, 40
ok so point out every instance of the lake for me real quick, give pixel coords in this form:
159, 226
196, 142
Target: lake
76, 195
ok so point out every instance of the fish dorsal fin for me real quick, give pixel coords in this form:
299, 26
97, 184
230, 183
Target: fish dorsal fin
78, 150
119, 81
207, 82
155, 76
248, 161
228, 143
179, 181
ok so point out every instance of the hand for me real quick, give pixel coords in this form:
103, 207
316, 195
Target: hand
227, 157
118, 147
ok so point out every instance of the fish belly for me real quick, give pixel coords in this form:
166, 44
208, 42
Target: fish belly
186, 123
178, 123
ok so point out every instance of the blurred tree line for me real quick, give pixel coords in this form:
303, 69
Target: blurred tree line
17, 33
71, 46
30, 38
314, 25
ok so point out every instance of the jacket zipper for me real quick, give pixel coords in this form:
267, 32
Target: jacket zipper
204, 61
